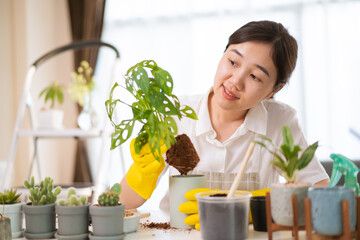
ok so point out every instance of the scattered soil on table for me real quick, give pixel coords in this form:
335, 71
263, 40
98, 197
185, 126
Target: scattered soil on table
157, 225
182, 155
219, 195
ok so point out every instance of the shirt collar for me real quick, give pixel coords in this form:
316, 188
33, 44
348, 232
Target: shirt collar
255, 121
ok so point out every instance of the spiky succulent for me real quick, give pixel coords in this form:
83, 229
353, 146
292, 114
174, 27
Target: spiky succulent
42, 194
111, 196
9, 197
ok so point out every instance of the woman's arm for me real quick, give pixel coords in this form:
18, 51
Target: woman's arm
129, 197
322, 183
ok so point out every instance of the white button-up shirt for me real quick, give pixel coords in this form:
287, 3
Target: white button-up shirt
220, 161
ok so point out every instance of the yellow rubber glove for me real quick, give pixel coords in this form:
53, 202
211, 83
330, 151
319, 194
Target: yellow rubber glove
143, 174
191, 206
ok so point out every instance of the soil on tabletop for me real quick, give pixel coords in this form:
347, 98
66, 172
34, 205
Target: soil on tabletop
182, 155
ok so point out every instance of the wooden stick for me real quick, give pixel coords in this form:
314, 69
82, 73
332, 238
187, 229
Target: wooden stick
237, 179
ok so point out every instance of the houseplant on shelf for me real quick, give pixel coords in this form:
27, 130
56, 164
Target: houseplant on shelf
11, 205
80, 89
107, 217
155, 107
40, 212
73, 216
51, 118
288, 161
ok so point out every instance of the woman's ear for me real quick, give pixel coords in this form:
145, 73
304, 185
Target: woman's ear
271, 94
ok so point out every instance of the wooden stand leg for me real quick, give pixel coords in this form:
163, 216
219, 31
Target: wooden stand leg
308, 223
295, 217
268, 216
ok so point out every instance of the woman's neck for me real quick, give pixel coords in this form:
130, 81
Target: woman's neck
224, 122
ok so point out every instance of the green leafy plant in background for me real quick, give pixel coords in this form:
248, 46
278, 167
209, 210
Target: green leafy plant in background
44, 193
72, 199
53, 93
9, 197
154, 108
111, 196
82, 83
286, 157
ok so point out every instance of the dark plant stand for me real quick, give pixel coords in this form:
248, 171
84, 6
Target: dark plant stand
273, 227
347, 234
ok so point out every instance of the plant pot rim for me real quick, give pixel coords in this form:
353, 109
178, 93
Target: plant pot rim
332, 189
291, 185
238, 195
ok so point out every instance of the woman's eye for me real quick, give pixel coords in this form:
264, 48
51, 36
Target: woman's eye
232, 62
254, 77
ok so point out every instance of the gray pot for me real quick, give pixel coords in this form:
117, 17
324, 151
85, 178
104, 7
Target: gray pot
107, 221
281, 202
39, 219
5, 228
179, 185
72, 220
15, 214
326, 212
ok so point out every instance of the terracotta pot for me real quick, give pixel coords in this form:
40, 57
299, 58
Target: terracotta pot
281, 202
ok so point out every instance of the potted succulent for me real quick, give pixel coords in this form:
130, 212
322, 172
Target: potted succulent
40, 212
107, 217
287, 158
82, 84
73, 216
51, 118
155, 107
11, 206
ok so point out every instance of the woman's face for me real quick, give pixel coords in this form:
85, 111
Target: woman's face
245, 75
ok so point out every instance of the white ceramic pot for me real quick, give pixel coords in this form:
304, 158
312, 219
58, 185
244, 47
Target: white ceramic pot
281, 202
50, 119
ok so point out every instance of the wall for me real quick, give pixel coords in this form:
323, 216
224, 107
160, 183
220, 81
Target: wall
29, 29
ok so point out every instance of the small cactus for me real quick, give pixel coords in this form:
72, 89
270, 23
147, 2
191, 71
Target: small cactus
111, 196
43, 194
73, 200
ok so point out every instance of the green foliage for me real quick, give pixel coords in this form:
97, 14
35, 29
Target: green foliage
44, 193
53, 93
154, 108
111, 196
72, 199
286, 158
9, 197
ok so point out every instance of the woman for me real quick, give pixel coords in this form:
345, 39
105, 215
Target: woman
258, 61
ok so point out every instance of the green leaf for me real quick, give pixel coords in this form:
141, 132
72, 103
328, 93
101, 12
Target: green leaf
140, 76
122, 133
288, 139
307, 155
164, 80
189, 112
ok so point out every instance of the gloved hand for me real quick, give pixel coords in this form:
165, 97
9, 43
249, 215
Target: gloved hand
143, 174
191, 206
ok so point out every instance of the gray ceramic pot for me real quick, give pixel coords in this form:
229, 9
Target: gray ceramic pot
107, 221
15, 214
5, 228
72, 220
179, 185
281, 202
326, 212
39, 220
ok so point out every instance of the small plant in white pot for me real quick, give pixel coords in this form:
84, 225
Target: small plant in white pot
51, 118
287, 159
11, 205
107, 217
73, 216
40, 212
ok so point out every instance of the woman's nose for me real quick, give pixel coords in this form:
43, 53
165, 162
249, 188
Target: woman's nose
238, 79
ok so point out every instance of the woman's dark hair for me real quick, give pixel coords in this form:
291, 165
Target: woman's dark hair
284, 50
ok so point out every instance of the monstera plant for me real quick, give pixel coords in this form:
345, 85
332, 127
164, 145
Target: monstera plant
154, 108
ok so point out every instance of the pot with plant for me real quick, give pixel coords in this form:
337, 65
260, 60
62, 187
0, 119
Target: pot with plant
51, 118
40, 211
107, 217
155, 107
73, 216
287, 159
11, 205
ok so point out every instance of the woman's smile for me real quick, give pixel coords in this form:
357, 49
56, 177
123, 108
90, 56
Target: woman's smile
228, 94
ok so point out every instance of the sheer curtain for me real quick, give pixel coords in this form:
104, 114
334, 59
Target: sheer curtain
188, 38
